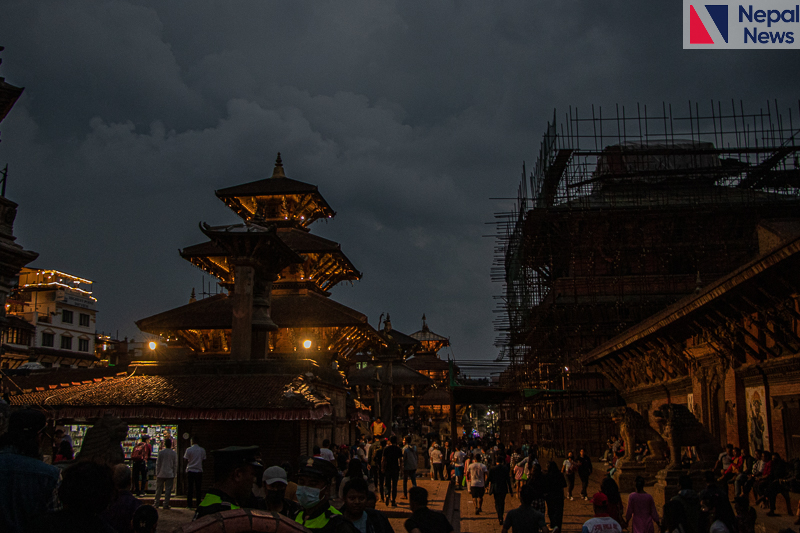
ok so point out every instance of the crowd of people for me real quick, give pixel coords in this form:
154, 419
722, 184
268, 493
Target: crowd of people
337, 488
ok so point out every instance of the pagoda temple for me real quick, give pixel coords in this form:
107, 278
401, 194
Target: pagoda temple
278, 278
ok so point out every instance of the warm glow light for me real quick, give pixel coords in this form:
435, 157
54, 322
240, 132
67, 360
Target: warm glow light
152, 345
306, 344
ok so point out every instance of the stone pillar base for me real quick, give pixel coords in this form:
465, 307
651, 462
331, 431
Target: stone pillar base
627, 473
666, 485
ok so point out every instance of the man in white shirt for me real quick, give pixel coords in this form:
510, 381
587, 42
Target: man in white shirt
476, 476
166, 470
458, 459
325, 452
194, 457
602, 522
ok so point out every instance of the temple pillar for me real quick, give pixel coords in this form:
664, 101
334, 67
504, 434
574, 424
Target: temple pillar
242, 327
262, 322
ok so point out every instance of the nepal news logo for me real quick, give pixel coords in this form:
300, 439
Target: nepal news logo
770, 25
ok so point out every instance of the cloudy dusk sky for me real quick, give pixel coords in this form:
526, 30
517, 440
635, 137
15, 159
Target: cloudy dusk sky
409, 116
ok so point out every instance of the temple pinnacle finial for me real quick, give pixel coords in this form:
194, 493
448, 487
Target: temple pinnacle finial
424, 323
278, 172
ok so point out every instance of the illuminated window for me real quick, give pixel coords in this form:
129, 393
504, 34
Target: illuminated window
66, 316
48, 339
83, 345
83, 320
66, 342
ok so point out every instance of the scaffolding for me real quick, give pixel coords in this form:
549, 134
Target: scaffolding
624, 214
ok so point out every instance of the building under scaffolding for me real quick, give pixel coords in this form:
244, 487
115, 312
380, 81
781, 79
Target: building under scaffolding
622, 216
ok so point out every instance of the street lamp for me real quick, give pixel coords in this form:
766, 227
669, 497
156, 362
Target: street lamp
152, 345
307, 344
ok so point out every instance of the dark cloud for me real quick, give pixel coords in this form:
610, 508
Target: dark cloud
409, 116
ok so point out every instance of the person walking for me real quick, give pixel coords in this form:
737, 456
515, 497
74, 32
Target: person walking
674, 518
235, 470
194, 457
275, 481
499, 485
476, 477
354, 471
601, 522
166, 470
616, 509
409, 466
525, 519
719, 511
568, 469
119, 513
376, 464
28, 485
314, 487
690, 502
458, 460
437, 462
355, 509
584, 471
642, 508
554, 484
392, 455
140, 456
537, 482
424, 520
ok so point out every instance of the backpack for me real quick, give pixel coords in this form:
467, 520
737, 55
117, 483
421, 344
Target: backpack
138, 452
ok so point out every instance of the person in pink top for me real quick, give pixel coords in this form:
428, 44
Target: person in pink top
642, 508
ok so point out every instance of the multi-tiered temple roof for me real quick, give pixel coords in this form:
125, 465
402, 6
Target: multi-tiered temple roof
293, 268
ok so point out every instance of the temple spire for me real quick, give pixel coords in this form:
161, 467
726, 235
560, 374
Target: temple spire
424, 324
278, 171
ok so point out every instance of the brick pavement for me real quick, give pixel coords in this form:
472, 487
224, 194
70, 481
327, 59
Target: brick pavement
575, 512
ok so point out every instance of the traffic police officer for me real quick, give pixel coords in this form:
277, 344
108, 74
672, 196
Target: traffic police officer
235, 470
313, 493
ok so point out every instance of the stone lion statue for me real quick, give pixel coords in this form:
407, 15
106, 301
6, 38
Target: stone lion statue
103, 442
680, 428
634, 428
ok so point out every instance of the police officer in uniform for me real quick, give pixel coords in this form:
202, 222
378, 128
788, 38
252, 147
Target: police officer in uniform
235, 470
314, 486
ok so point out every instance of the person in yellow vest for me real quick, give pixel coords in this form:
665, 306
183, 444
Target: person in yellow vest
314, 488
235, 470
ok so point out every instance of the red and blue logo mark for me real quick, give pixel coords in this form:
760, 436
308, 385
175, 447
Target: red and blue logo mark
698, 34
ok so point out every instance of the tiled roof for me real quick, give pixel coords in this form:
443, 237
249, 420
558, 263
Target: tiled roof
435, 397
187, 397
403, 375
268, 187
426, 362
288, 310
298, 240
427, 335
393, 336
8, 96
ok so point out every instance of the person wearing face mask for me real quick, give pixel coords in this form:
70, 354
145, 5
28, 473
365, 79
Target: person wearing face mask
314, 488
275, 483
234, 475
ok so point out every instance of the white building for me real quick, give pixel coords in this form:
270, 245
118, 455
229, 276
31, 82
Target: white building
61, 312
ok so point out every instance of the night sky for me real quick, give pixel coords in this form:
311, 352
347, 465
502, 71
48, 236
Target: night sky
409, 116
